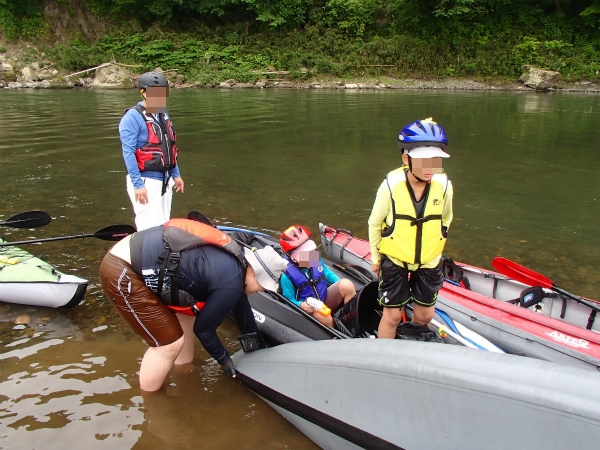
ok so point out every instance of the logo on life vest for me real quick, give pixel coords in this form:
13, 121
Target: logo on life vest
260, 318
568, 340
437, 202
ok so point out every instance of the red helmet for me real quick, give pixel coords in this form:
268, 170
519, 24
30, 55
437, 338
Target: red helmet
293, 237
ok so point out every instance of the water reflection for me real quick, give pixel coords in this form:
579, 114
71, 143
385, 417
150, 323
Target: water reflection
48, 390
217, 422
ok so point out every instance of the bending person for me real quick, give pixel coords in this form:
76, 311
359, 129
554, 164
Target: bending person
191, 268
307, 276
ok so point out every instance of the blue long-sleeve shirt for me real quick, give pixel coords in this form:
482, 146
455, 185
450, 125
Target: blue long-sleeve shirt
289, 291
134, 134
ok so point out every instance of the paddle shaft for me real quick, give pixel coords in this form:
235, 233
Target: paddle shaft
34, 241
578, 299
110, 233
452, 334
17, 223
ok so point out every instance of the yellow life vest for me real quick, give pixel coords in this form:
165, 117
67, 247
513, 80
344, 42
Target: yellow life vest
412, 239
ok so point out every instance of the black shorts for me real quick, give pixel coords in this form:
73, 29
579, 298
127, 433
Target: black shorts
397, 288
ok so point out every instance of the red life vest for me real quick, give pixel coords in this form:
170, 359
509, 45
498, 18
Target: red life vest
159, 154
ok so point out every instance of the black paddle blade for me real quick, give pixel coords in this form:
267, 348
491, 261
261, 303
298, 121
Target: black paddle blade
28, 219
114, 232
199, 217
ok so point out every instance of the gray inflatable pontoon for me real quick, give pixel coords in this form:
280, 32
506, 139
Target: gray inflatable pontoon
395, 394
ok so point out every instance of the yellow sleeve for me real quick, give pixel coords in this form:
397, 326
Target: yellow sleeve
447, 213
381, 209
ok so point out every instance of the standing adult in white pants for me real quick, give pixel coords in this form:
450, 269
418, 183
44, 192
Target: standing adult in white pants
150, 153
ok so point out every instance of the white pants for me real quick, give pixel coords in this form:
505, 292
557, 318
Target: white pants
158, 209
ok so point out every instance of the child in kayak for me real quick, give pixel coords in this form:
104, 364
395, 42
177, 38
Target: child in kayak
407, 231
306, 276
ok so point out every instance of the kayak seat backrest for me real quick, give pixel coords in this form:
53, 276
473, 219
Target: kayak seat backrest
531, 296
369, 309
359, 316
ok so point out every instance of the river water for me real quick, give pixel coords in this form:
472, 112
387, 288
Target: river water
525, 173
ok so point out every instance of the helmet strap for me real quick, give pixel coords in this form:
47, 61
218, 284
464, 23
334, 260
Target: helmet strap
411, 171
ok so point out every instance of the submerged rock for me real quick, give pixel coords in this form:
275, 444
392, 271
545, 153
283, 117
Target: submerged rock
22, 320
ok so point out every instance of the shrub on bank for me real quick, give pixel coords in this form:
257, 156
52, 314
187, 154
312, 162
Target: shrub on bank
220, 39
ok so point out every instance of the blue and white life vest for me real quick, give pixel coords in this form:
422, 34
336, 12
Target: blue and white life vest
315, 286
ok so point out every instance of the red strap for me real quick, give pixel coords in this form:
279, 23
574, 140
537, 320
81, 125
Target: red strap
188, 310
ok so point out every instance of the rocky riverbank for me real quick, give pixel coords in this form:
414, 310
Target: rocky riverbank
18, 73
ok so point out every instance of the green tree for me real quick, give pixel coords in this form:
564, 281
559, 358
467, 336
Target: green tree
20, 17
351, 16
591, 14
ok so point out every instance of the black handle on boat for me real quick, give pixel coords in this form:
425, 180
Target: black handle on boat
110, 233
524, 275
356, 272
28, 219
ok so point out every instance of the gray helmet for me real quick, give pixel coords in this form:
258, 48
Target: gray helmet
152, 79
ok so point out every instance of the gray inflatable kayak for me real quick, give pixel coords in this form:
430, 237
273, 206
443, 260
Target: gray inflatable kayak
394, 394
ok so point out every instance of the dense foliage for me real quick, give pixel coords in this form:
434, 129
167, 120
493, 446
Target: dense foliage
20, 17
219, 39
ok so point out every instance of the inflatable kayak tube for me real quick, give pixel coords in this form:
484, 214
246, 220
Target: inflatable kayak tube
28, 280
394, 394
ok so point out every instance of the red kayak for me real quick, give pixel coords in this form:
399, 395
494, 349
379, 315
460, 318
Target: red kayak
541, 321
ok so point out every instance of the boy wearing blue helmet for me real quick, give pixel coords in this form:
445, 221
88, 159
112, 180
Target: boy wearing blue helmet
407, 231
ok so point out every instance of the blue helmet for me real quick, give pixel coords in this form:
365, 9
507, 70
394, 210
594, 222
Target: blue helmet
422, 133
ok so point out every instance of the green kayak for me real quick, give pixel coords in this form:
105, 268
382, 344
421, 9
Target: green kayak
28, 280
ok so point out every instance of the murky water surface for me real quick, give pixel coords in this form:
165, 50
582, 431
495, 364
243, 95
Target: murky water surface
524, 166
